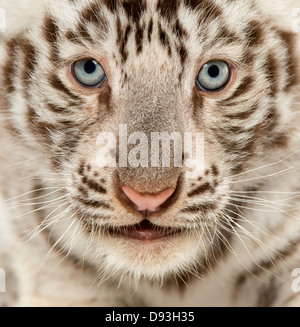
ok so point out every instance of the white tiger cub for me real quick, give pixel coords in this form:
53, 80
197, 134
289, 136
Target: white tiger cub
130, 233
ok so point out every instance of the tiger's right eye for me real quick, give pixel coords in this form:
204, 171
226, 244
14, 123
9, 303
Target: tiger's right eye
89, 73
213, 76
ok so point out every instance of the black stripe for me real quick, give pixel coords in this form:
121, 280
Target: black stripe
201, 189
139, 35
167, 8
43, 129
94, 203
179, 30
83, 31
30, 61
244, 114
50, 30
73, 37
10, 69
271, 69
226, 36
254, 33
292, 66
56, 108
56, 83
123, 39
192, 4
164, 39
51, 34
214, 170
182, 54
202, 208
134, 9
150, 30
93, 185
112, 5
244, 87
91, 14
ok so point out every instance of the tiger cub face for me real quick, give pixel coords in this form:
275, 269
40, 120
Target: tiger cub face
97, 87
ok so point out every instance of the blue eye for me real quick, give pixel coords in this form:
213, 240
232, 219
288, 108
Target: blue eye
89, 73
213, 76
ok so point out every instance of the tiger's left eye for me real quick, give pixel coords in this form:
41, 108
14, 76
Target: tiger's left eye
89, 73
213, 76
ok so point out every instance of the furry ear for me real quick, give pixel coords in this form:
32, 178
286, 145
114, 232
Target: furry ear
285, 14
19, 15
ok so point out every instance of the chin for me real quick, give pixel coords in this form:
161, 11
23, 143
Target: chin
141, 254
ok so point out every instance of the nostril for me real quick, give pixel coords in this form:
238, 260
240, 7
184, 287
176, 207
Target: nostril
147, 201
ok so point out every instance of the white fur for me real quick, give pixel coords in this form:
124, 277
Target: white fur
44, 282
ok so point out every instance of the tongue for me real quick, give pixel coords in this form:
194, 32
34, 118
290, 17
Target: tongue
143, 235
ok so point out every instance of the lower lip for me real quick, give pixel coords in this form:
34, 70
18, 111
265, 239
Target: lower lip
147, 234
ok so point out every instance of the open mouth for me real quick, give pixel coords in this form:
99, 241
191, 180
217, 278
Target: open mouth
145, 231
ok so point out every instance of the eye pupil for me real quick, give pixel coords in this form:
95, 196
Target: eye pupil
213, 71
90, 67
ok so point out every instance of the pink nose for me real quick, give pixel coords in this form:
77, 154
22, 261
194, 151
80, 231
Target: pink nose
147, 201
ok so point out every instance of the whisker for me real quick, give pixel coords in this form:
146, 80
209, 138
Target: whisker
267, 165
281, 172
287, 212
38, 229
37, 190
42, 175
262, 200
67, 247
50, 251
259, 227
22, 204
264, 192
37, 209
252, 237
257, 203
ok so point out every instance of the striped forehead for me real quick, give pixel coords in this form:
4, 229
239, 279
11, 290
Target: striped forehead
129, 28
